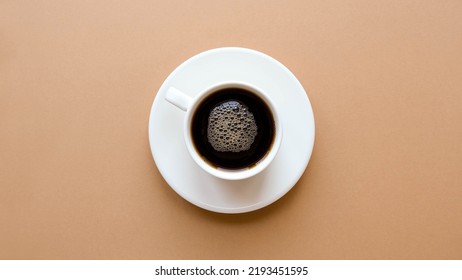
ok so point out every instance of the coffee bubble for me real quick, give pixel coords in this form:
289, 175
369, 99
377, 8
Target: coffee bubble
231, 127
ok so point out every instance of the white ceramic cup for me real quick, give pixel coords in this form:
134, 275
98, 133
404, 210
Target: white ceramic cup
190, 104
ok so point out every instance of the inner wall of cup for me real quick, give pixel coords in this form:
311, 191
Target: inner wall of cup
202, 161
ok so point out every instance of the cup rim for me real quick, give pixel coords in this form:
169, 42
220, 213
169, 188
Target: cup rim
233, 174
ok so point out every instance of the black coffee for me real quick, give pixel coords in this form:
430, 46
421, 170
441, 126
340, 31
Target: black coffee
233, 128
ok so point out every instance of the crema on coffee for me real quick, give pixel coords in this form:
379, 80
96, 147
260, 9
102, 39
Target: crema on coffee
233, 128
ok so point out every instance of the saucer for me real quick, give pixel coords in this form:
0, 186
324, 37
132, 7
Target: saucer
197, 186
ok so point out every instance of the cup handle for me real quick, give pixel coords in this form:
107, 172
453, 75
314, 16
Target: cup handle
178, 98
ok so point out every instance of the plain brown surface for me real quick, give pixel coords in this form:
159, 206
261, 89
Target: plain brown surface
77, 80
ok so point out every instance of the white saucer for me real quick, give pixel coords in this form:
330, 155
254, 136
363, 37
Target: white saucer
199, 187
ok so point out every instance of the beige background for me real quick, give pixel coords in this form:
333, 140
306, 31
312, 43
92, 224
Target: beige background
77, 179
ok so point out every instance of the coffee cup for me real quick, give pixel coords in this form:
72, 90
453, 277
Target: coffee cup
232, 130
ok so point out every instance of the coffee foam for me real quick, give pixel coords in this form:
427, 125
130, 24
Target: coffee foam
231, 127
